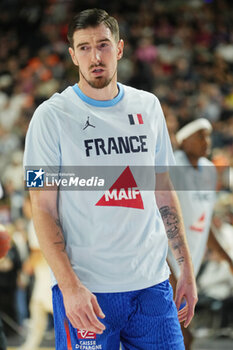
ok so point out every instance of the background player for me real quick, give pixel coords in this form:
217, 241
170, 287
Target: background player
108, 255
195, 179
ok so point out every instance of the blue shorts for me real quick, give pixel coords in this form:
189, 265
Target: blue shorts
145, 319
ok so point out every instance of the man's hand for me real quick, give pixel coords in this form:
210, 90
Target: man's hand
82, 309
186, 289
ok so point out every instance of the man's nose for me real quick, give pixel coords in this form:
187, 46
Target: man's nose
95, 56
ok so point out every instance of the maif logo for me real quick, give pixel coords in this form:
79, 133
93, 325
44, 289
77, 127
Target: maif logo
123, 193
35, 178
86, 335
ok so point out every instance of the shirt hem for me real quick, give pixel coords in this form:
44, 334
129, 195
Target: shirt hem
124, 288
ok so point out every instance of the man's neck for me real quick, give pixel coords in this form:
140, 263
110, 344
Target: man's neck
104, 94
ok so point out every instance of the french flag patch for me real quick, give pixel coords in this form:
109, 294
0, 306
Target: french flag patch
135, 119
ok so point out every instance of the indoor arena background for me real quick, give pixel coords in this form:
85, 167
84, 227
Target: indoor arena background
182, 51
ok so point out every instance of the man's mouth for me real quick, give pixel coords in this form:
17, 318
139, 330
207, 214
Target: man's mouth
97, 70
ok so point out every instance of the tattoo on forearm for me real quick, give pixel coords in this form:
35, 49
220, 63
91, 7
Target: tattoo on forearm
180, 260
59, 236
179, 242
171, 222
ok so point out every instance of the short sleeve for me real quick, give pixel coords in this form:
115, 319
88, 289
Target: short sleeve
42, 147
164, 157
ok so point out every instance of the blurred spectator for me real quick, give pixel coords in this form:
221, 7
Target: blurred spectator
9, 267
20, 238
216, 280
41, 299
4, 248
146, 51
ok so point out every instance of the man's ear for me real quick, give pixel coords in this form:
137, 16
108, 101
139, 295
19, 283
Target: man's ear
72, 55
120, 49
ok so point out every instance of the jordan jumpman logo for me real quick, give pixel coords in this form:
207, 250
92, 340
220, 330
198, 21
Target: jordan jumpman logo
88, 124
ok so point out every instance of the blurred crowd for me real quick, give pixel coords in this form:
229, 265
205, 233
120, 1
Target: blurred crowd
182, 51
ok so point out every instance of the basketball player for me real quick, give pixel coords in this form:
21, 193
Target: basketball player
194, 177
107, 249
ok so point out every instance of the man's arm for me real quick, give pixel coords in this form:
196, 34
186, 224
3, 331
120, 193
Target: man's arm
213, 244
80, 304
170, 211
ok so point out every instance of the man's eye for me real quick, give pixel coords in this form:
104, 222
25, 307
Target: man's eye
104, 45
83, 48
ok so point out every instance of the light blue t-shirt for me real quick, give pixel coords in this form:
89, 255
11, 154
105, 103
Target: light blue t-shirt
115, 237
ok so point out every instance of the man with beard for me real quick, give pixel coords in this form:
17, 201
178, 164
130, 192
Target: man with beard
107, 249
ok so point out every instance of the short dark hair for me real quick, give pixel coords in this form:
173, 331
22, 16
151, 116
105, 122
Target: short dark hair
92, 18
